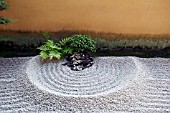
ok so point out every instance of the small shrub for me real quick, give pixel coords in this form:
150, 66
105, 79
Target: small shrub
82, 43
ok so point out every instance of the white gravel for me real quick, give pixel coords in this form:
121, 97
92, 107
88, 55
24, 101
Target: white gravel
111, 85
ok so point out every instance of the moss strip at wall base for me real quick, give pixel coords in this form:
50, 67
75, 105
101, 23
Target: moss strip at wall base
25, 43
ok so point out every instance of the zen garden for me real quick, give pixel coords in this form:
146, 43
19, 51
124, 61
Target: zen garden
84, 56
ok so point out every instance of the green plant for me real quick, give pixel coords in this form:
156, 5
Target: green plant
4, 6
46, 34
82, 43
65, 46
5, 20
50, 50
76, 43
57, 50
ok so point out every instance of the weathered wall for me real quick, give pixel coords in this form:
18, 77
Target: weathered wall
117, 16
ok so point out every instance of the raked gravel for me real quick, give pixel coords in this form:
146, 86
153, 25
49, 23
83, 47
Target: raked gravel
111, 85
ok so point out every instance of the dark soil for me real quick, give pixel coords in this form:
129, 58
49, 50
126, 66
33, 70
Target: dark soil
138, 51
11, 49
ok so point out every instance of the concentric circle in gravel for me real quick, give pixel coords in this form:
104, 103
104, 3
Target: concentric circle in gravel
108, 74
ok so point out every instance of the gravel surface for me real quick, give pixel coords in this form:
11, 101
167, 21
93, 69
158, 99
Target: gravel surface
111, 85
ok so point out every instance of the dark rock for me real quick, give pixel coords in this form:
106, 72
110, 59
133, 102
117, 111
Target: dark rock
78, 61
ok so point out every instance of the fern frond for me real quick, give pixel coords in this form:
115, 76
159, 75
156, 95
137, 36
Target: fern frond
64, 41
67, 50
55, 54
43, 48
44, 55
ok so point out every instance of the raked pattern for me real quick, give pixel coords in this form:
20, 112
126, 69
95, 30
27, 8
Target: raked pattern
106, 75
111, 85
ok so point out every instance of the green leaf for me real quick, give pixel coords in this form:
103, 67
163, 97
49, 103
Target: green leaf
44, 55
67, 50
50, 42
55, 47
64, 41
52, 45
43, 48
3, 5
5, 20
55, 54
46, 35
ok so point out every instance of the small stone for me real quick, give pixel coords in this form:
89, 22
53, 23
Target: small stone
79, 61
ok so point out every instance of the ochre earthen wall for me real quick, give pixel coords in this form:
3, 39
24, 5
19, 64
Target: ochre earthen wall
116, 16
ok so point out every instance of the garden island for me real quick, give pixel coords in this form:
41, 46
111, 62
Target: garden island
84, 56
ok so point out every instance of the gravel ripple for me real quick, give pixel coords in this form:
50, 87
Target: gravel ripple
111, 85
